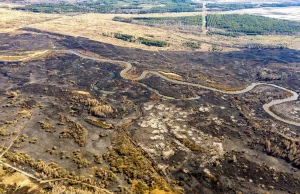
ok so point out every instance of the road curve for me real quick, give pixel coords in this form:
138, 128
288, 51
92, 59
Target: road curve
266, 107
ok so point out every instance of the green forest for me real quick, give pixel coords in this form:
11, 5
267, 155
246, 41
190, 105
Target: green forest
52, 8
141, 6
229, 6
116, 6
186, 20
252, 25
232, 25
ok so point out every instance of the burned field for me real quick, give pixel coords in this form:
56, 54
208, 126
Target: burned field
76, 124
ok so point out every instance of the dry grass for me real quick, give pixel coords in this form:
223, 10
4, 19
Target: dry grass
19, 179
10, 5
98, 123
101, 110
172, 76
71, 190
93, 26
23, 56
97, 108
11, 20
81, 92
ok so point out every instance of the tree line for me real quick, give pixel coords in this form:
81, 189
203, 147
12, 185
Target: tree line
236, 6
252, 25
115, 6
142, 40
185, 20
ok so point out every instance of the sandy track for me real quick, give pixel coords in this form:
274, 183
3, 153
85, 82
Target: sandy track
124, 74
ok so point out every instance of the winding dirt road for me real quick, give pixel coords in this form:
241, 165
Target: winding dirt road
124, 74
266, 107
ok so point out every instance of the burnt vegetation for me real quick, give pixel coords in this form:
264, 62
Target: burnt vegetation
77, 121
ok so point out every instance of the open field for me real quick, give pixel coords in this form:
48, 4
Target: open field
93, 26
13, 20
9, 5
286, 13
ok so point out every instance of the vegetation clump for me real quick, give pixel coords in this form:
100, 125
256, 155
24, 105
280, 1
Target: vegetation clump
24, 138
125, 37
47, 126
33, 140
25, 113
101, 110
150, 42
98, 158
95, 107
122, 19
124, 158
191, 145
193, 45
105, 175
76, 131
50, 170
142, 40
98, 123
283, 147
13, 94
3, 132
222, 33
81, 162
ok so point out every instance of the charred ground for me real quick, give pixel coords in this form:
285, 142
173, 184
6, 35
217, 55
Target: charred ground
69, 118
